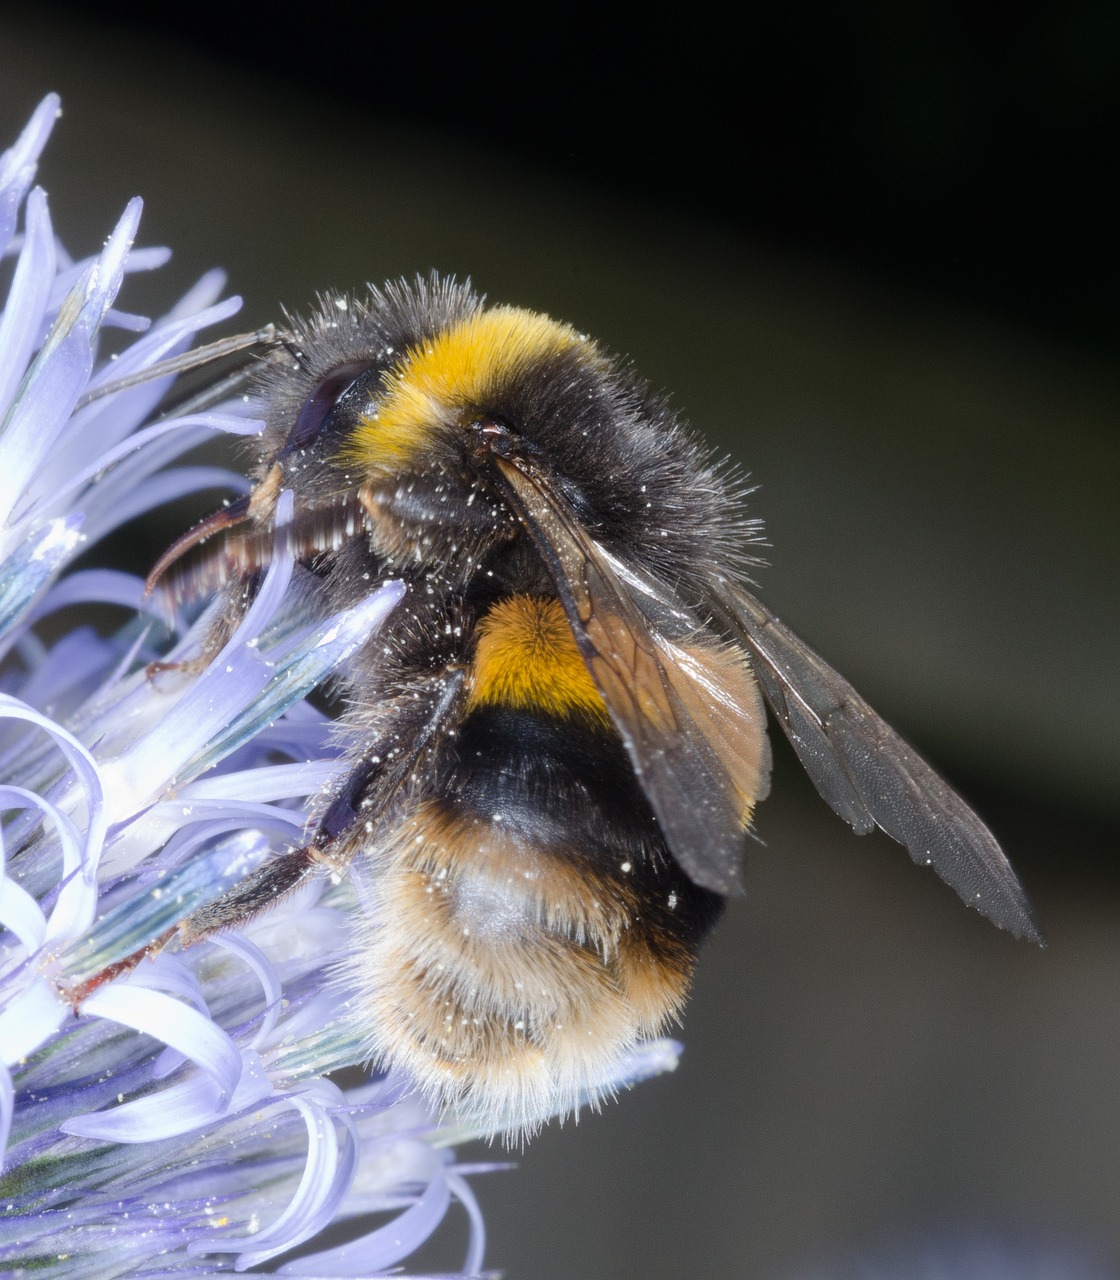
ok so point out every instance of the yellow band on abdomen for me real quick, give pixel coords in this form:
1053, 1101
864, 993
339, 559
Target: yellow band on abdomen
527, 658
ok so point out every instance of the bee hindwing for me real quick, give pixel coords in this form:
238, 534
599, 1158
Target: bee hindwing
871, 777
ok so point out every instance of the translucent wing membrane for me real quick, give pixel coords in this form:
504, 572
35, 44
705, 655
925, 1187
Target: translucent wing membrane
687, 708
870, 777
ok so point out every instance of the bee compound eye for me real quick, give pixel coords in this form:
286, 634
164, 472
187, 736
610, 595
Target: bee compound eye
340, 386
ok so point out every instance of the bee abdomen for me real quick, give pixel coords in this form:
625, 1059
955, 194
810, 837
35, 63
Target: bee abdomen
507, 970
528, 924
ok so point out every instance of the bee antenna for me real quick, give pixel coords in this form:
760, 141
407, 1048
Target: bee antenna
213, 393
193, 359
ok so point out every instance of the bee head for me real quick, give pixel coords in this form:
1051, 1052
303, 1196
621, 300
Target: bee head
406, 401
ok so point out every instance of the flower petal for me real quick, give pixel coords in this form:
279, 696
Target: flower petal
179, 1109
62, 367
239, 694
265, 974
29, 1019
380, 1249
22, 319
31, 563
326, 1177
27, 914
476, 1249
265, 783
89, 586
7, 1109
21, 914
74, 909
156, 491
18, 164
173, 1022
143, 917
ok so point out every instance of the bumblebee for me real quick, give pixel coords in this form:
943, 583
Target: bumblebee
556, 742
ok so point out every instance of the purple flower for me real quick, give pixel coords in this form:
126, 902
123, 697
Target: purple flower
183, 1122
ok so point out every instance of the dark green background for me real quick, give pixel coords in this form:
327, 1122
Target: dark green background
868, 254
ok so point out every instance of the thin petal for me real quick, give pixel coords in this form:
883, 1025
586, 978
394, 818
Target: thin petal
476, 1249
26, 909
92, 586
157, 491
174, 1023
167, 338
326, 1177
265, 974
237, 696
265, 783
81, 656
20, 913
18, 164
181, 434
62, 367
74, 909
143, 917
31, 563
7, 1110
129, 321
380, 1249
180, 1109
29, 1020
27, 298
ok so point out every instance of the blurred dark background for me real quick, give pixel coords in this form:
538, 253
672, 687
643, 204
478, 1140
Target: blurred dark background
867, 247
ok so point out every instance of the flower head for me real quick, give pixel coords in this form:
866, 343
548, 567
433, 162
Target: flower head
174, 1116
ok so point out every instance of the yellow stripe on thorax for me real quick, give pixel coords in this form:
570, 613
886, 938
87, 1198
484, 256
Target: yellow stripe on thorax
457, 370
527, 658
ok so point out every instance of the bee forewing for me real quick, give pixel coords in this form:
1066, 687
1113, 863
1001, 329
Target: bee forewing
871, 777
687, 709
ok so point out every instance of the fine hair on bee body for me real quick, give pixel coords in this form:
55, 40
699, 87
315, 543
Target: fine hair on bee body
556, 741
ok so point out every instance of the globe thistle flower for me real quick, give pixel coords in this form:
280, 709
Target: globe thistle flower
177, 1116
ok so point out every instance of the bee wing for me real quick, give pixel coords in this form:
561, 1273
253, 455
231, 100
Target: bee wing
687, 708
871, 777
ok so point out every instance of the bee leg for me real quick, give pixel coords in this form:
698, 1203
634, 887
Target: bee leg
239, 595
217, 637
227, 517
366, 793
368, 790
341, 828
411, 727
273, 880
282, 874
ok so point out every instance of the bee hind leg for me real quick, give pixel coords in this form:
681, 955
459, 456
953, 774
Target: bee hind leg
266, 886
272, 881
